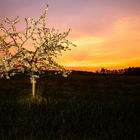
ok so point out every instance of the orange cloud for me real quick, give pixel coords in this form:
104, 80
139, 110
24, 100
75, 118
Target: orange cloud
119, 47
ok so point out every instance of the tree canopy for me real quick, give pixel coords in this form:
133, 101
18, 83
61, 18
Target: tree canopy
34, 49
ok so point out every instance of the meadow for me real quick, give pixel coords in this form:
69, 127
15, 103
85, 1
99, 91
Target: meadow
80, 107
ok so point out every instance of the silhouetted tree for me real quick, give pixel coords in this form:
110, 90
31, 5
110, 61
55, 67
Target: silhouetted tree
132, 71
103, 71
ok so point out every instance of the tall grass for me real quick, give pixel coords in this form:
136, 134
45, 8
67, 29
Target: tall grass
84, 108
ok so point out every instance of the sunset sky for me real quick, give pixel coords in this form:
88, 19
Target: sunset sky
106, 32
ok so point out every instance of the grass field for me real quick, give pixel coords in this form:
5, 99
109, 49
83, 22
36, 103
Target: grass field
74, 108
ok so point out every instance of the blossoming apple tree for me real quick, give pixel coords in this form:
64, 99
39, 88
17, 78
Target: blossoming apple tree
45, 46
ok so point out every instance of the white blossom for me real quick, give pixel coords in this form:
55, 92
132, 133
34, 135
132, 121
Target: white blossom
47, 44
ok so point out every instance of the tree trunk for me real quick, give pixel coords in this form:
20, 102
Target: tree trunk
33, 82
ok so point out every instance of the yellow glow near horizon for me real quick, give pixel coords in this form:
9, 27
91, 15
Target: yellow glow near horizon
118, 48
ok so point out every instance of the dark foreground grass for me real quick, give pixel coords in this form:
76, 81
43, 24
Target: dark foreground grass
77, 108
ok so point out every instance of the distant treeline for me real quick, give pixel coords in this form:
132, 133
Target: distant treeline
103, 71
126, 71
